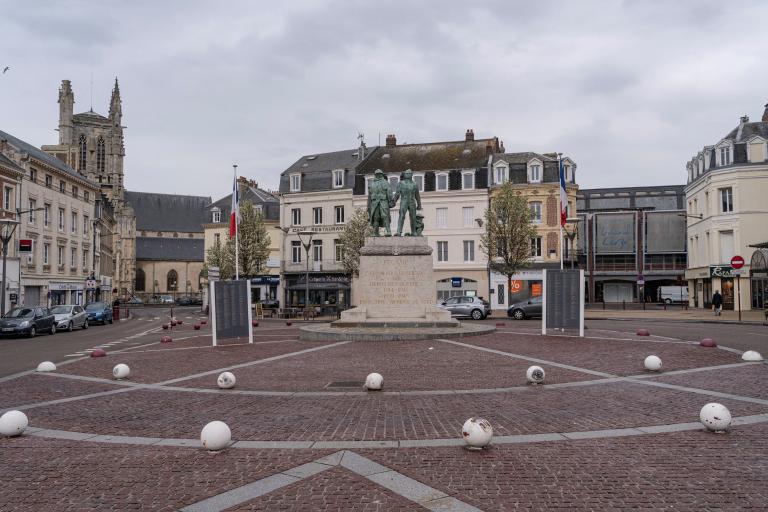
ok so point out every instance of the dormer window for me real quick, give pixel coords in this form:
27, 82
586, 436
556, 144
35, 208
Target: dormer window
724, 155
500, 174
534, 171
418, 179
441, 181
393, 181
338, 178
295, 182
216, 214
468, 180
568, 169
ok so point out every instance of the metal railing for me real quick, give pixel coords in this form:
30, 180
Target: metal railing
314, 266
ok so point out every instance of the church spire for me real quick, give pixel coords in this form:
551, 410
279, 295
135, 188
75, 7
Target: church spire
115, 104
66, 109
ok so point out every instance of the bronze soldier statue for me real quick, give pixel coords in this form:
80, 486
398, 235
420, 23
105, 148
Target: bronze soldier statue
410, 202
379, 203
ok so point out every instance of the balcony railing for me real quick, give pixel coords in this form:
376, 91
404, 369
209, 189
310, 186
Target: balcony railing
314, 266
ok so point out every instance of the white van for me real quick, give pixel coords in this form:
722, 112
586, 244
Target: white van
670, 294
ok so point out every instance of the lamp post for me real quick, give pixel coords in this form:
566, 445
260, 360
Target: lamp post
307, 245
571, 235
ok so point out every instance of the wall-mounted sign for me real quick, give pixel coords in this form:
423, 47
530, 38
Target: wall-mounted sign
515, 286
268, 280
456, 282
317, 229
720, 271
536, 290
25, 245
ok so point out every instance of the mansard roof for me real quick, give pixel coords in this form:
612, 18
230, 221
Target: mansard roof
270, 205
435, 156
315, 170
168, 212
747, 130
522, 158
9, 164
42, 156
170, 249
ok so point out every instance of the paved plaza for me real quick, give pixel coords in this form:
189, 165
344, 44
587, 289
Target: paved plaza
601, 434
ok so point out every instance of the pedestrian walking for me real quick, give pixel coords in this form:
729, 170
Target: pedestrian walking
717, 302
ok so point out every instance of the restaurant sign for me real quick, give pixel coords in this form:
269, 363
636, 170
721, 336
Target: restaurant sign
721, 271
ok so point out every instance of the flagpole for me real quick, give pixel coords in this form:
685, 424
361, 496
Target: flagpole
559, 185
237, 214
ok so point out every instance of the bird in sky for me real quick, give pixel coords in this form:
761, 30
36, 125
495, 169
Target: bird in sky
6, 68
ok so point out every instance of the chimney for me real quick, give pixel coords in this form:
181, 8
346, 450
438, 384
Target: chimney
744, 119
3, 144
391, 140
765, 114
470, 135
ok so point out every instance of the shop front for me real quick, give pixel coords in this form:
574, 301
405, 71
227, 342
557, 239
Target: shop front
330, 290
473, 283
758, 278
65, 293
264, 289
524, 285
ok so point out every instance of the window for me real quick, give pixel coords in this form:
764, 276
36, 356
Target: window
338, 249
217, 238
172, 281
85, 259
725, 155
86, 221
442, 181
568, 173
726, 200
317, 250
7, 195
46, 215
442, 218
317, 215
73, 226
296, 251
469, 250
63, 186
295, 182
535, 212
140, 280
86, 196
296, 216
468, 180
442, 251
33, 175
216, 216
61, 219
418, 179
46, 254
73, 257
468, 214
393, 181
536, 247
100, 156
500, 175
534, 172
74, 191
32, 206
339, 212
338, 178
726, 246
48, 181
60, 255
82, 153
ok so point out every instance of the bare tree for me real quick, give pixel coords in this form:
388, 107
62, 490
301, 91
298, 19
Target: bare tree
508, 232
352, 240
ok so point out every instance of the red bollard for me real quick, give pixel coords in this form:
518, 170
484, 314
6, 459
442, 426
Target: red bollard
165, 327
288, 324
643, 332
166, 339
196, 327
708, 343
255, 323
203, 322
99, 352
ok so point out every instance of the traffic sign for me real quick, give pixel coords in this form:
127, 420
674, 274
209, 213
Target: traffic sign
737, 262
641, 279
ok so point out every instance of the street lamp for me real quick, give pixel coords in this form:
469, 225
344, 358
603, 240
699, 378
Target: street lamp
307, 245
7, 227
571, 235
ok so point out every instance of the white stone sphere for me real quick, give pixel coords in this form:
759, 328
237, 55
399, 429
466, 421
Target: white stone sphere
13, 423
535, 375
477, 432
715, 417
751, 355
215, 436
121, 371
653, 363
374, 382
226, 380
46, 366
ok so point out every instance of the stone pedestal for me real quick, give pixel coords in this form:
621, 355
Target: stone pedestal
396, 286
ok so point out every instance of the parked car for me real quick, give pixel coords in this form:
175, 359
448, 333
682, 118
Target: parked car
69, 316
183, 301
134, 301
528, 308
100, 312
465, 305
196, 301
670, 294
166, 299
27, 320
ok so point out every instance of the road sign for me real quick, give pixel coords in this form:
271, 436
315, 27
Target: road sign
641, 279
90, 284
737, 262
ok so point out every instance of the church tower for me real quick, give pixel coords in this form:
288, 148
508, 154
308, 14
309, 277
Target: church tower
116, 150
66, 110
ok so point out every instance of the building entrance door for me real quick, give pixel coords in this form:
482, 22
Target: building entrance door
727, 293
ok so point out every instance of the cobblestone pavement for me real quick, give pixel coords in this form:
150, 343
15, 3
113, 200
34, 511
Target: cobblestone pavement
601, 434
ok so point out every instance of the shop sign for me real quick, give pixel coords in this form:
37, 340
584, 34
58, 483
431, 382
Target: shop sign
720, 271
266, 280
318, 229
273, 263
515, 286
456, 282
536, 290
59, 287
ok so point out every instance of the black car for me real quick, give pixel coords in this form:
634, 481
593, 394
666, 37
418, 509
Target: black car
528, 308
28, 321
183, 301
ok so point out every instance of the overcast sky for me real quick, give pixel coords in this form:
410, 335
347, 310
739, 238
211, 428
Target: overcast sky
629, 90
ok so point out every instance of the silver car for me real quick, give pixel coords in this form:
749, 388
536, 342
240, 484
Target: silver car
69, 316
474, 307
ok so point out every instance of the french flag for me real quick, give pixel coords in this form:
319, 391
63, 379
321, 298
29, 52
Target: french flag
235, 212
563, 197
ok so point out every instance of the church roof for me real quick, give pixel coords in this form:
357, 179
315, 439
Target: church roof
39, 154
91, 115
168, 212
170, 249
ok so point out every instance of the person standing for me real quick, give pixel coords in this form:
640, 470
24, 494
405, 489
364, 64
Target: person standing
717, 302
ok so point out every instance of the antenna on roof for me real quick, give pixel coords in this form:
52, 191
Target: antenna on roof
91, 90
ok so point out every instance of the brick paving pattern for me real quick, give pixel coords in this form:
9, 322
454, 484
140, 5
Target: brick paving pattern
41, 388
